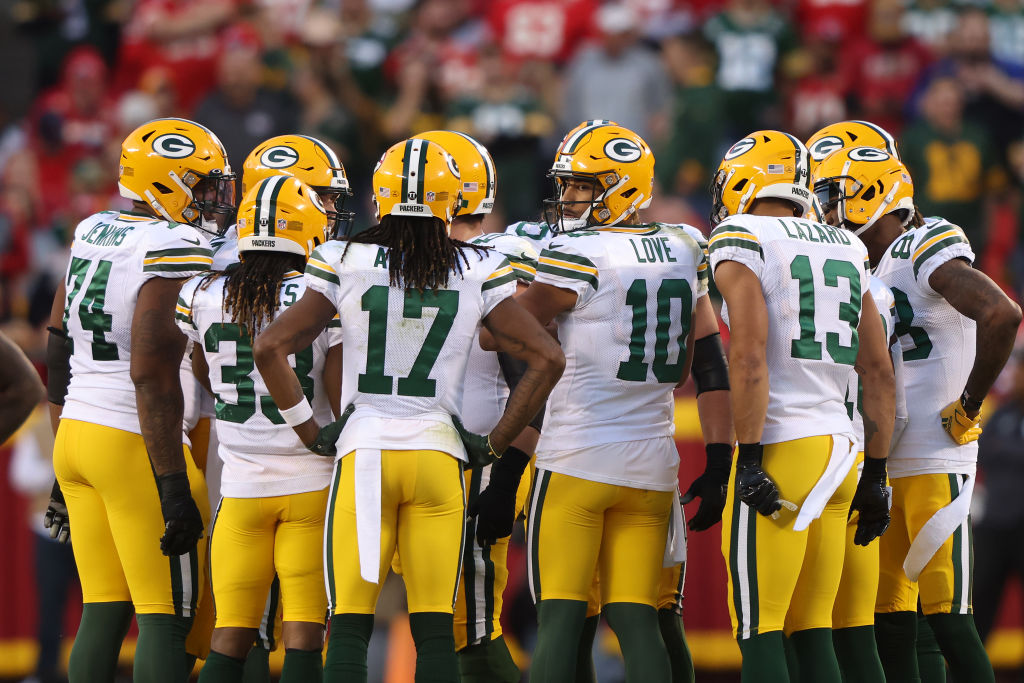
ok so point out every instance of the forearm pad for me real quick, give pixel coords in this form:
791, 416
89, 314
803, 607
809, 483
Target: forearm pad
513, 369
710, 368
58, 366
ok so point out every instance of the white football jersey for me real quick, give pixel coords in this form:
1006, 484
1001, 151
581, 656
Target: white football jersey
405, 351
262, 455
938, 348
814, 278
485, 391
225, 249
539, 234
886, 305
625, 351
112, 256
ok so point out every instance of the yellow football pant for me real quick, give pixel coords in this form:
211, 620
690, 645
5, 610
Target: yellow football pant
422, 517
781, 579
484, 571
945, 583
855, 602
111, 494
670, 591
198, 641
255, 537
578, 528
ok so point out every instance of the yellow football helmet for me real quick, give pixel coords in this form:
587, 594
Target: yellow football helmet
476, 167
419, 179
180, 169
765, 164
310, 160
849, 134
281, 213
619, 164
863, 184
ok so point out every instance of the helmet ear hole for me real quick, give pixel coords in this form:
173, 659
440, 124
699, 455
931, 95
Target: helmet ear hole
740, 184
629, 193
869, 194
162, 189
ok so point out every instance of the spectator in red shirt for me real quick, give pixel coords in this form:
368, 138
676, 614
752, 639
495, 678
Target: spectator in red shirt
541, 29
881, 68
842, 19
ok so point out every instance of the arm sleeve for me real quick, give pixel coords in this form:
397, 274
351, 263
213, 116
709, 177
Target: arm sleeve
177, 252
498, 286
562, 265
942, 242
733, 243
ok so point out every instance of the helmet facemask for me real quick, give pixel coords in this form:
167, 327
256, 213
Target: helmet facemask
339, 221
596, 212
213, 207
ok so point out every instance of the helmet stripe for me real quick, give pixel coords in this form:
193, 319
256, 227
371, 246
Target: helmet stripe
488, 164
332, 158
266, 205
406, 159
800, 160
570, 145
421, 171
890, 143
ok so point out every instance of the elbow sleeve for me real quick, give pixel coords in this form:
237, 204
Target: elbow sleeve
710, 368
58, 366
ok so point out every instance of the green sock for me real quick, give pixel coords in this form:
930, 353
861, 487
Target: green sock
488, 662
559, 625
792, 663
671, 626
896, 637
346, 649
160, 655
98, 642
858, 655
257, 666
302, 666
643, 650
220, 668
930, 661
585, 672
434, 635
764, 659
962, 647
816, 656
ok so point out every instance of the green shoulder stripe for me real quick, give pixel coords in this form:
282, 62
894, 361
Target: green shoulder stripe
937, 229
498, 281
564, 272
180, 251
322, 274
189, 267
335, 323
936, 248
571, 258
728, 227
736, 242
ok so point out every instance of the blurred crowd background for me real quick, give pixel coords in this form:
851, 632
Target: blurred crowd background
691, 76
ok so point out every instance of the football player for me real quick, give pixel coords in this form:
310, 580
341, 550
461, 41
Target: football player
271, 516
411, 300
956, 329
607, 465
801, 316
853, 616
119, 456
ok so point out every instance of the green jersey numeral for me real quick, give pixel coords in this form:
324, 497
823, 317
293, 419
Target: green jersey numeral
902, 247
239, 375
904, 317
806, 346
634, 369
418, 383
90, 310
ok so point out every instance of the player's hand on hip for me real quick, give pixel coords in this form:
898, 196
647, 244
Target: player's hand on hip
495, 506
962, 428
183, 524
326, 443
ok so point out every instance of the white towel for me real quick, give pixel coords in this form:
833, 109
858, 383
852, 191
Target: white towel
367, 485
936, 530
675, 541
840, 461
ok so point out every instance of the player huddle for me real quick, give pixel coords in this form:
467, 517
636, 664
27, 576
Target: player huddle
399, 397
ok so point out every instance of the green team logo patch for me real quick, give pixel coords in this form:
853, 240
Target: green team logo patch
280, 156
740, 148
825, 146
173, 146
621, 149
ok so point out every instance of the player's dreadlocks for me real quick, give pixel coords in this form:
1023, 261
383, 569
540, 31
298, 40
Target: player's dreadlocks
421, 255
252, 290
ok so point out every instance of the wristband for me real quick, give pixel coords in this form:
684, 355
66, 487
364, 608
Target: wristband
874, 469
297, 414
749, 454
970, 404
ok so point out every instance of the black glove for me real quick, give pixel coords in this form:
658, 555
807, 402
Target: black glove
56, 518
326, 443
753, 485
871, 501
710, 487
183, 525
495, 506
478, 447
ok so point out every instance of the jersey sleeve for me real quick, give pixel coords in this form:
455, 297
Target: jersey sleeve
521, 255
177, 252
498, 286
322, 276
732, 242
334, 331
563, 265
702, 263
942, 242
183, 310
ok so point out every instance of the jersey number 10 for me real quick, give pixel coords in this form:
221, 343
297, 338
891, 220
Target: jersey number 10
635, 368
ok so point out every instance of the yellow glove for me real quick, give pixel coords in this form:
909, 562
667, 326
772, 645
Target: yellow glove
961, 428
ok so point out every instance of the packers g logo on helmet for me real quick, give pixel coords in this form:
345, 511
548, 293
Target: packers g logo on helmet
621, 149
173, 146
868, 154
825, 146
740, 148
849, 134
280, 156
862, 184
